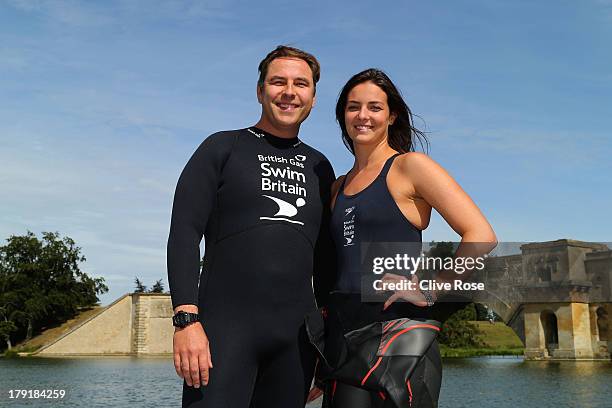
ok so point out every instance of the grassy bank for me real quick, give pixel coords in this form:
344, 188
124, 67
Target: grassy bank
447, 352
496, 340
14, 352
497, 335
50, 334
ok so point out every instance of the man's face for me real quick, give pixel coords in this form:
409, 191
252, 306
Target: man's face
287, 94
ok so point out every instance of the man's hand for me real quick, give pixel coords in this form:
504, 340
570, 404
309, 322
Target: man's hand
192, 359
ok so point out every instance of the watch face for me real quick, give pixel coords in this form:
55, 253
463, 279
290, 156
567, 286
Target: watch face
182, 319
179, 319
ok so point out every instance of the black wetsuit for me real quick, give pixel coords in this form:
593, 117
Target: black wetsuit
261, 202
372, 218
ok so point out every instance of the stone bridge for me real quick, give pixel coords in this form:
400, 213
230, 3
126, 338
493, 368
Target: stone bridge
556, 296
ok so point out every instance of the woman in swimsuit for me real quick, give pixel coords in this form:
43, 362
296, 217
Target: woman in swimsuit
387, 196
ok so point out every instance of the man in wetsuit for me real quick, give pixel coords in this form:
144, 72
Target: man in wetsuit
259, 196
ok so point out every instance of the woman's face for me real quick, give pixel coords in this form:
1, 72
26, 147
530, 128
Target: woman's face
367, 116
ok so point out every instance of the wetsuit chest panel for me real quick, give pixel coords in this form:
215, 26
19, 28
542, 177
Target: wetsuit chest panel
265, 183
257, 200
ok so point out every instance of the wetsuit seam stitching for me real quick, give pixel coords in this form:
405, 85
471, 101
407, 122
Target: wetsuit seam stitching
219, 240
209, 258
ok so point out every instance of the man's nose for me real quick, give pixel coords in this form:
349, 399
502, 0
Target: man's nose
289, 90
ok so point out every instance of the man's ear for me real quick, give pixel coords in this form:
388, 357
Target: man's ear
259, 91
314, 100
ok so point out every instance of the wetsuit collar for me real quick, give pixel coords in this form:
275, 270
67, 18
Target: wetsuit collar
275, 140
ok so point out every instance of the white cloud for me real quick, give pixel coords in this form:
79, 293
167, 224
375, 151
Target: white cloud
157, 185
176, 9
96, 14
69, 12
570, 148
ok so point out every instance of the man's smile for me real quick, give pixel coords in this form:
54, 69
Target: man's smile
287, 106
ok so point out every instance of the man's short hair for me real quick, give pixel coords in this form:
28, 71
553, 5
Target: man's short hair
283, 51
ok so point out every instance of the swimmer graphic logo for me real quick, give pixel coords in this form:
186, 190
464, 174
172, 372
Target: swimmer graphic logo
349, 227
285, 176
285, 210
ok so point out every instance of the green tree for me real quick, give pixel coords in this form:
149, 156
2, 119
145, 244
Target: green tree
441, 249
158, 287
41, 283
7, 324
457, 331
140, 288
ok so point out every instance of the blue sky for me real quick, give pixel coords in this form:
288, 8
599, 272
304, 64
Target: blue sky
102, 103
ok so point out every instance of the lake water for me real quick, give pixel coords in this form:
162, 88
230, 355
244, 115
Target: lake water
146, 382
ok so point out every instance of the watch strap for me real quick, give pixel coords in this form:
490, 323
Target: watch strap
429, 298
183, 319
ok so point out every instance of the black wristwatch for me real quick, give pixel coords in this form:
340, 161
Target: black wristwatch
183, 319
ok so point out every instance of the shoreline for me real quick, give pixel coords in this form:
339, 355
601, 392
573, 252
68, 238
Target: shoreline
447, 352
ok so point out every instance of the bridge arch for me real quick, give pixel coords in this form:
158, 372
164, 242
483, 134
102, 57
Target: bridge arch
603, 324
548, 319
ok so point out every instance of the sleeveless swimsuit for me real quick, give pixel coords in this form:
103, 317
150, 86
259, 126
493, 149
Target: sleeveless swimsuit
369, 216
372, 217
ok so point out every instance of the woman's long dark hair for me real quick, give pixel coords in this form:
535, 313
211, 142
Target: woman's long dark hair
402, 133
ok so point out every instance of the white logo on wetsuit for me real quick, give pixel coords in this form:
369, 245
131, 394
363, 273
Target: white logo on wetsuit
278, 176
285, 209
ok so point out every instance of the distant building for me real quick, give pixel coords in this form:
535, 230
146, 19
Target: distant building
557, 297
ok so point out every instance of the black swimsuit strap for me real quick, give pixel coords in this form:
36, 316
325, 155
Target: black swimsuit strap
387, 166
383, 171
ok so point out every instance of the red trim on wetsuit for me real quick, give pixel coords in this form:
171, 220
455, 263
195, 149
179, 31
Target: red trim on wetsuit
371, 370
416, 326
409, 392
389, 325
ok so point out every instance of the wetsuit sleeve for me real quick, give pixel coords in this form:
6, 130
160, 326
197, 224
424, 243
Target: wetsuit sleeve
194, 200
324, 274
